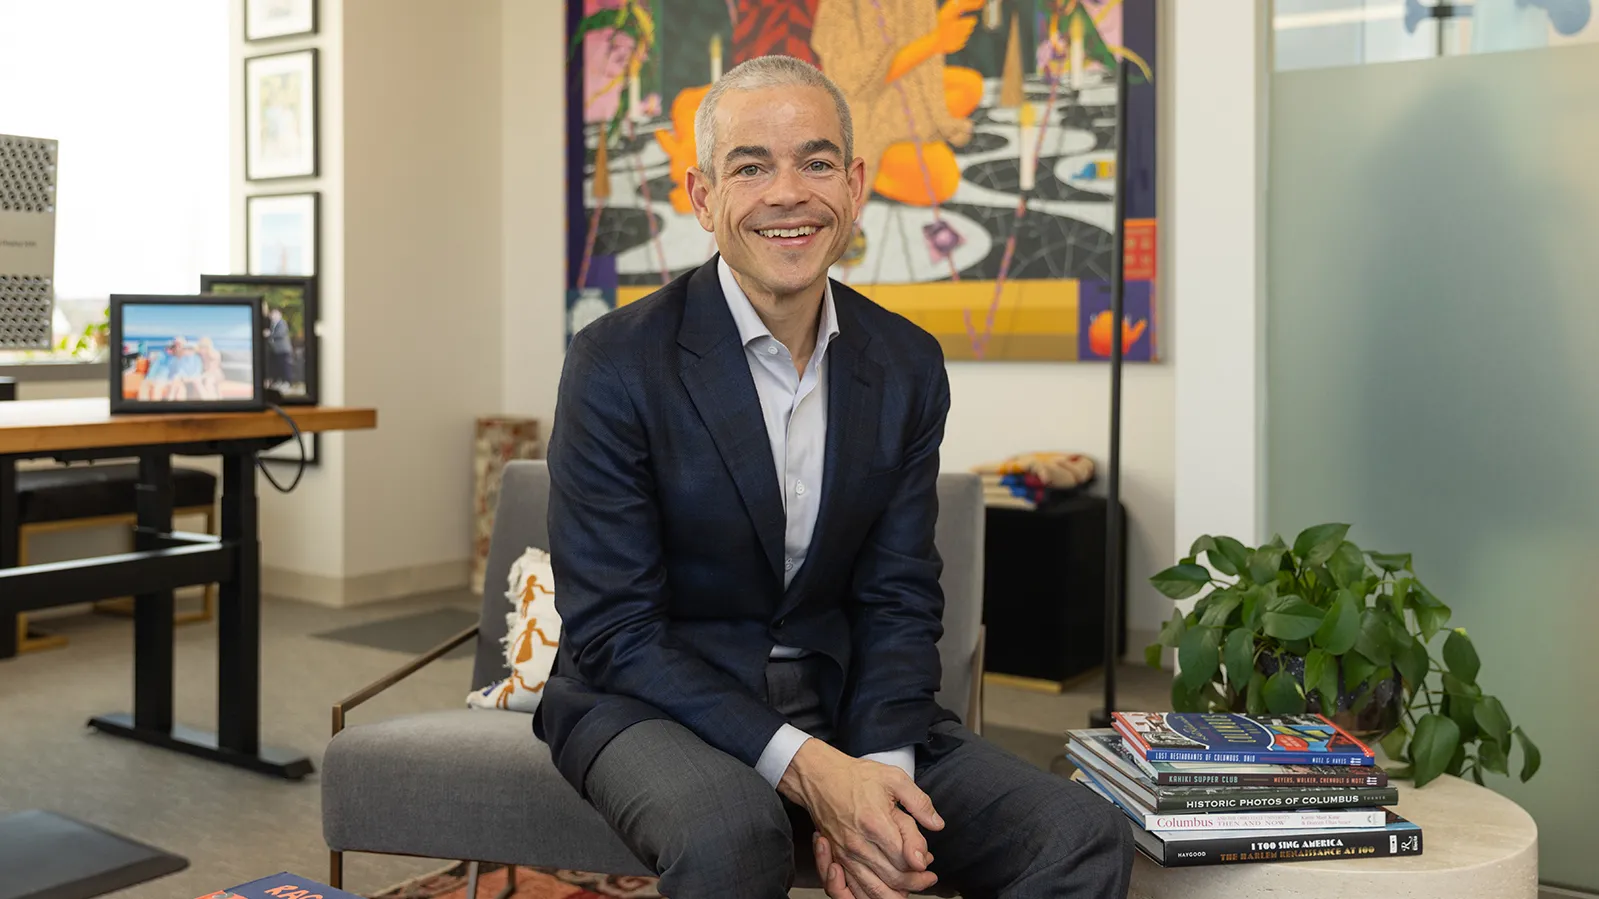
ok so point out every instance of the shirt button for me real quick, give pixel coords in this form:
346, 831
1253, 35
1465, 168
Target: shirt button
799, 487
788, 564
771, 348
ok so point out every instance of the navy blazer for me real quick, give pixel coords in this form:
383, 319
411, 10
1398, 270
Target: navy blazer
666, 532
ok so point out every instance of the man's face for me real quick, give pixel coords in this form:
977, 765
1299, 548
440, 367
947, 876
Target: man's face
784, 197
277, 315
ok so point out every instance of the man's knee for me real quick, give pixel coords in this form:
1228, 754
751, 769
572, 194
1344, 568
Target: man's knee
1092, 828
740, 821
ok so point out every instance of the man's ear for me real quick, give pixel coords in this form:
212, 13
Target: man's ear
699, 190
857, 184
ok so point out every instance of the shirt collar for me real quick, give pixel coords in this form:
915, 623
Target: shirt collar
750, 326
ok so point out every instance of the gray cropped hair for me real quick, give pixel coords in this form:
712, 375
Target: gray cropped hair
760, 73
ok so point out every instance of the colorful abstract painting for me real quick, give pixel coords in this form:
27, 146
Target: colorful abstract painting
988, 128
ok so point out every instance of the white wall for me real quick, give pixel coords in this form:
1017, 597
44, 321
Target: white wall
996, 408
422, 282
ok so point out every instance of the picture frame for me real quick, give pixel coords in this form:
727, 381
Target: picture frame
271, 19
288, 452
185, 353
280, 116
282, 233
292, 348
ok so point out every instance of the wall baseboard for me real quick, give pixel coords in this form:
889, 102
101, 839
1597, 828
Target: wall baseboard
1546, 891
378, 586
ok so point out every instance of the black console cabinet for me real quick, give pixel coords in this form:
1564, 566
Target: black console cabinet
1044, 590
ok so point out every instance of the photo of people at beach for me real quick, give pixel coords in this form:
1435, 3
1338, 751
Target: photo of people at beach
183, 352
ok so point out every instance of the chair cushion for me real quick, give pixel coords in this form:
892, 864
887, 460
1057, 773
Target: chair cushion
463, 783
65, 493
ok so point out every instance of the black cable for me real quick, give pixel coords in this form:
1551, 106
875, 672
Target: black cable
299, 440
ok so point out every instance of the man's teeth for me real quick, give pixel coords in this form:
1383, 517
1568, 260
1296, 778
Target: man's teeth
788, 232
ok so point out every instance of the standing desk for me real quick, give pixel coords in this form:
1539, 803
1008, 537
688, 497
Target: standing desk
162, 560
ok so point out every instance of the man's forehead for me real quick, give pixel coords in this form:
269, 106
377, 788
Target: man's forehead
765, 109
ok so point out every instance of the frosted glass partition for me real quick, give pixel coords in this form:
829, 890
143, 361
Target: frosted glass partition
1433, 323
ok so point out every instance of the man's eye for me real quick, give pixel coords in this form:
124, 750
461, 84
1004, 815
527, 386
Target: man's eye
820, 165
748, 171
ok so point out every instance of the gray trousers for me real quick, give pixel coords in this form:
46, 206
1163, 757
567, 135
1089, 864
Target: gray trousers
712, 827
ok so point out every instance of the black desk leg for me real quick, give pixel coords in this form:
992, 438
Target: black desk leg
10, 547
237, 740
239, 612
152, 612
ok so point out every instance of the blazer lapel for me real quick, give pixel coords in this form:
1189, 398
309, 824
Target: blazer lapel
717, 378
854, 402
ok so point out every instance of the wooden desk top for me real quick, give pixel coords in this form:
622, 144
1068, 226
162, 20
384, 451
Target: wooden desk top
32, 426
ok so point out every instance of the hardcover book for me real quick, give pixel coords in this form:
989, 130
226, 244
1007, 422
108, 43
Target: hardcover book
1198, 784
281, 886
1240, 739
1183, 848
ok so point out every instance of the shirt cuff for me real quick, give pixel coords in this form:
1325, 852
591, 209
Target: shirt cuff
780, 750
903, 758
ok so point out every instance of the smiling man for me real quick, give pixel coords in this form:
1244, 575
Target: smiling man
743, 495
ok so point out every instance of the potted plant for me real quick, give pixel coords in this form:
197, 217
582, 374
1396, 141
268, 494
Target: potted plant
1324, 626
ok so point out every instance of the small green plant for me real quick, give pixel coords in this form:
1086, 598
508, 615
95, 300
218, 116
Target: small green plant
88, 344
1324, 626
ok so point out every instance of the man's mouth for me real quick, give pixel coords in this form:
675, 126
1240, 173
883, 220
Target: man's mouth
774, 233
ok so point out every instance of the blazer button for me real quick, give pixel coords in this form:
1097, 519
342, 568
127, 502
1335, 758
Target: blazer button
782, 621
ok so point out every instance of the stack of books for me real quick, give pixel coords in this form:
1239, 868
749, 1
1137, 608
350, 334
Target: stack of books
1218, 788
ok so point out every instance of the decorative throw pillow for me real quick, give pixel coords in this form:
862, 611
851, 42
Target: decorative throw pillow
532, 633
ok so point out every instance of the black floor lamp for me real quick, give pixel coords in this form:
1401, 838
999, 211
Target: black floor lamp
1113, 469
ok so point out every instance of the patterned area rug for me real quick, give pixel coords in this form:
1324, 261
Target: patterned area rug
531, 883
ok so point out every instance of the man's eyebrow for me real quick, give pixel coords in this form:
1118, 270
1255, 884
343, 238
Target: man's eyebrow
748, 150
819, 145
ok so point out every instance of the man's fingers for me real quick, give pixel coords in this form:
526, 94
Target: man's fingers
867, 885
917, 804
832, 874
917, 855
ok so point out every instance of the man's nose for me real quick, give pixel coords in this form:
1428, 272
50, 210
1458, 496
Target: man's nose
786, 188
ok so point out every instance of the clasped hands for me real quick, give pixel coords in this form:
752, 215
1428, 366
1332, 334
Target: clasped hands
867, 845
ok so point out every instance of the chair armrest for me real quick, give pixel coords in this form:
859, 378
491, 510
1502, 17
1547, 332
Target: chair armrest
395, 676
974, 713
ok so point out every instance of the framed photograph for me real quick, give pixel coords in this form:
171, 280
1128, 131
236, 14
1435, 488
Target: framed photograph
280, 234
290, 315
267, 19
185, 353
280, 118
288, 452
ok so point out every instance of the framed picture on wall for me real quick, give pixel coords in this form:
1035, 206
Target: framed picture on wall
288, 452
280, 117
280, 234
267, 19
289, 315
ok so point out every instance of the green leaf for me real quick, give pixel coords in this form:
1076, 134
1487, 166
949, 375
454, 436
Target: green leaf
1393, 745
1198, 656
1401, 772
1492, 757
1328, 685
1476, 774
1531, 758
1181, 581
1399, 637
1283, 694
1317, 544
1240, 657
1341, 626
1391, 561
1494, 722
1347, 565
1222, 604
1463, 711
1316, 662
1424, 597
1433, 746
1172, 632
1204, 543
1292, 620
1373, 640
1461, 656
1153, 653
1185, 698
1457, 687
1212, 697
1264, 563
1413, 663
1397, 598
1235, 553
1356, 669
1430, 620
1255, 704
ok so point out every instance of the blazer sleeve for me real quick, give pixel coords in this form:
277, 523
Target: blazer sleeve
896, 605
610, 574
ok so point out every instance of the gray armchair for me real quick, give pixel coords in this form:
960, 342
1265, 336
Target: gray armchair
476, 785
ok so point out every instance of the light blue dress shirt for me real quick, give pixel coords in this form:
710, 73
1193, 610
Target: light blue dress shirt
794, 406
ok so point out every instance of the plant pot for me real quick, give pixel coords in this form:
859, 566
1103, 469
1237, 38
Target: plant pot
1380, 715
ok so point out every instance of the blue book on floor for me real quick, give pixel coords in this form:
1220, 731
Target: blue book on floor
282, 886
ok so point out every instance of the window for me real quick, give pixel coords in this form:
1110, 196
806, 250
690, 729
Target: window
138, 96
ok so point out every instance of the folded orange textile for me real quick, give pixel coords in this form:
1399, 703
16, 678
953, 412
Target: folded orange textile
1051, 469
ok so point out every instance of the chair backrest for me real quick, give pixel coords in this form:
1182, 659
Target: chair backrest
520, 522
